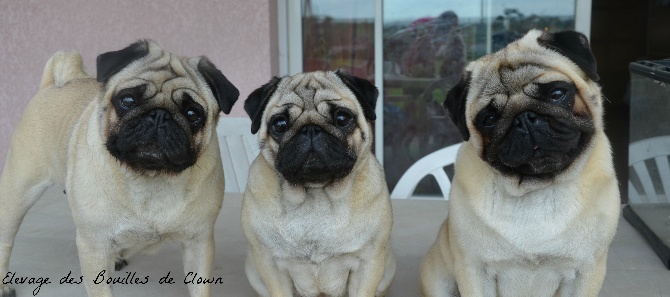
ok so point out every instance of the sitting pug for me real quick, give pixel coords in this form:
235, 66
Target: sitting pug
316, 211
534, 203
136, 150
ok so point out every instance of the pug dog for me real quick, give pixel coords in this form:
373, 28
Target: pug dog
316, 211
534, 202
135, 149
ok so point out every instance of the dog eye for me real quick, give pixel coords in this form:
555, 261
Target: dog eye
127, 99
490, 120
193, 115
280, 124
127, 102
343, 118
557, 94
487, 119
193, 112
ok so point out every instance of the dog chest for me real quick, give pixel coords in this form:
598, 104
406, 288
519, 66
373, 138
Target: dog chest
139, 212
149, 225
528, 279
315, 230
537, 244
329, 277
541, 224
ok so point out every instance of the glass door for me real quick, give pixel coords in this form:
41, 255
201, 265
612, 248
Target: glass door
427, 45
339, 34
414, 52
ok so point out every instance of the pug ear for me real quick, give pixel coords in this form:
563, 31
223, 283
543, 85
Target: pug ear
223, 90
455, 104
575, 46
366, 93
111, 63
258, 100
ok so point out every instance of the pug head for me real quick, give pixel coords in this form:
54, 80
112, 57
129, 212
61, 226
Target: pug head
531, 110
313, 126
160, 109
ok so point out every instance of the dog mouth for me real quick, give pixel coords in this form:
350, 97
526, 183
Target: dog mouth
540, 163
147, 145
150, 158
153, 158
314, 159
543, 147
314, 167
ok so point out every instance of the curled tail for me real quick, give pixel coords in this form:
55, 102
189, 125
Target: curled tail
62, 68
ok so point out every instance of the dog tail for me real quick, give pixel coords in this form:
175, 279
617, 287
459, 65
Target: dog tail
62, 68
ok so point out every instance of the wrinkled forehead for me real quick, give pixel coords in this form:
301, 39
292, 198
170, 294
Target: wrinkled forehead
311, 91
491, 78
161, 72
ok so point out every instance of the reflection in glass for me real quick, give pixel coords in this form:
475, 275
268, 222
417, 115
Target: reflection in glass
339, 34
427, 44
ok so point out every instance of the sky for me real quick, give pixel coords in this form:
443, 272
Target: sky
395, 10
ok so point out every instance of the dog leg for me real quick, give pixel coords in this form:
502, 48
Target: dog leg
20, 187
436, 279
7, 292
120, 263
389, 273
273, 282
364, 282
122, 259
255, 278
97, 264
198, 257
589, 280
472, 280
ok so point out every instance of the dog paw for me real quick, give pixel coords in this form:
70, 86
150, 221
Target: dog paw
7, 292
118, 265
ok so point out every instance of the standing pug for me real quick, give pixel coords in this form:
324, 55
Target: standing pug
136, 150
316, 211
534, 204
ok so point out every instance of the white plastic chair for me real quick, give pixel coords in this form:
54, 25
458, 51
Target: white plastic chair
238, 149
657, 150
432, 164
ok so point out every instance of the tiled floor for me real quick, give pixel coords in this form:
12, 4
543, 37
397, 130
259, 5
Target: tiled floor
45, 247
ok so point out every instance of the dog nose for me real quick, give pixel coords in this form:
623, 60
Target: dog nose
528, 117
159, 115
311, 130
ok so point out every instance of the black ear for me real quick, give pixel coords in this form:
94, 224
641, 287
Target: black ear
111, 63
455, 104
224, 92
365, 92
575, 46
256, 102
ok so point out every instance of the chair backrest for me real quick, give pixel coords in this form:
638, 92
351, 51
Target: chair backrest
432, 164
238, 149
653, 150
